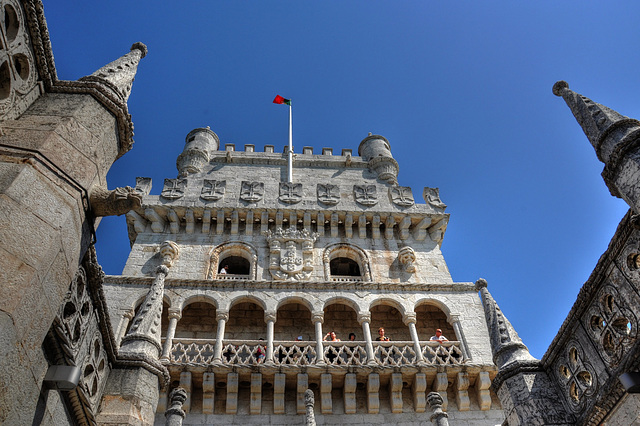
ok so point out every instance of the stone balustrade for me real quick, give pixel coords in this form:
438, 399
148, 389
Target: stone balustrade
296, 353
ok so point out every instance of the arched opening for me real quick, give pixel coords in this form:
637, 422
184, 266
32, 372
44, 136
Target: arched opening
237, 265
429, 318
198, 322
294, 335
345, 262
246, 322
342, 319
390, 319
344, 266
294, 320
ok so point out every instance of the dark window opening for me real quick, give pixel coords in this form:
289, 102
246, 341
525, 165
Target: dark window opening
345, 267
237, 265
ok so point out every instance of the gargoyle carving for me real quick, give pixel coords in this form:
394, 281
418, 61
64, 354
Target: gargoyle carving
115, 202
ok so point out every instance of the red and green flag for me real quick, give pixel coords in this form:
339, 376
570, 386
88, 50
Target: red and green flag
280, 100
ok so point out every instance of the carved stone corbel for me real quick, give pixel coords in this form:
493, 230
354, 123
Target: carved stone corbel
105, 202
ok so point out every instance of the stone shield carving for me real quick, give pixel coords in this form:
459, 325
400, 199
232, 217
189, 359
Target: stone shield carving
173, 188
401, 196
290, 192
432, 197
366, 195
291, 254
213, 190
328, 194
252, 191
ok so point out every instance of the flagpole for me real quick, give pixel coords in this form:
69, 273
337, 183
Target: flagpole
290, 159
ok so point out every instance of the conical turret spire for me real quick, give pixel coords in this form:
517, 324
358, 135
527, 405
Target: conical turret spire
597, 121
119, 74
506, 345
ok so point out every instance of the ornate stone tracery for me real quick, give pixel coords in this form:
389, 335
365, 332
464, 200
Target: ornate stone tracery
577, 376
291, 254
612, 324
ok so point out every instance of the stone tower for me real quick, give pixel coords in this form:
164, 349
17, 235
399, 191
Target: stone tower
268, 269
58, 140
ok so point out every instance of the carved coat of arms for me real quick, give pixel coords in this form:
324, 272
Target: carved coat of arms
173, 188
401, 196
252, 191
290, 192
328, 194
366, 194
291, 254
213, 190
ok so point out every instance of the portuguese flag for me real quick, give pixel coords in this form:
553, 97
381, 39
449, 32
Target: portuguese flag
280, 100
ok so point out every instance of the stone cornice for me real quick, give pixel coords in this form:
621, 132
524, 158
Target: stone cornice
47, 72
227, 285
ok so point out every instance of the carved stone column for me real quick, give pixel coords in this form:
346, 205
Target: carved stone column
270, 319
174, 317
439, 417
309, 402
454, 319
222, 317
126, 319
364, 318
175, 415
318, 319
410, 320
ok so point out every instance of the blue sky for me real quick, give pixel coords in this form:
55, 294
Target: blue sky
462, 90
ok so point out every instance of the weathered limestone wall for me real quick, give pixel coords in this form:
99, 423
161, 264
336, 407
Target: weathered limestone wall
43, 228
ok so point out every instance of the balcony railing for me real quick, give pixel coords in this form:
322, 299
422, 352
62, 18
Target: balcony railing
232, 277
346, 278
296, 353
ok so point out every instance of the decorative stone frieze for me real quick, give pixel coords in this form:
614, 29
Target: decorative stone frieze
252, 192
432, 198
328, 194
291, 254
173, 188
401, 196
213, 190
290, 193
367, 195
407, 258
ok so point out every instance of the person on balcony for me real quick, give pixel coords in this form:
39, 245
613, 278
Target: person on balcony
352, 337
381, 337
224, 270
260, 351
331, 337
332, 354
439, 337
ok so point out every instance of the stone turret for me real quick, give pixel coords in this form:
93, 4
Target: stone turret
200, 143
526, 393
119, 74
377, 151
615, 139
